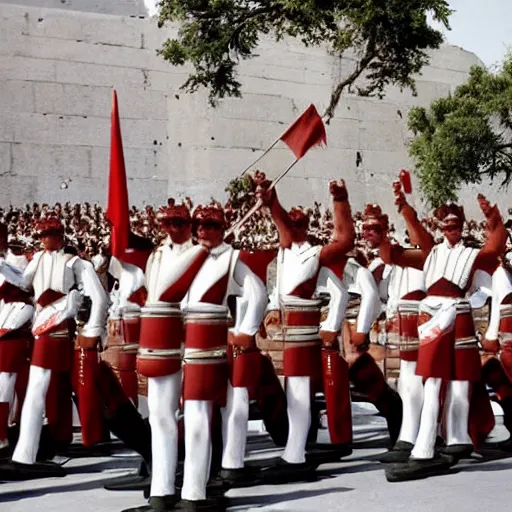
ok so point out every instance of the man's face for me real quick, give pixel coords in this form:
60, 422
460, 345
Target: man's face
52, 241
210, 234
299, 231
180, 230
373, 235
453, 234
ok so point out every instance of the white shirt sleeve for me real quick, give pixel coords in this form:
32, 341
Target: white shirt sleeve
370, 303
329, 283
17, 277
86, 276
501, 287
254, 295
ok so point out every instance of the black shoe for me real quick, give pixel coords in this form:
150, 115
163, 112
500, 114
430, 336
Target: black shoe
208, 505
286, 472
326, 453
17, 472
164, 503
399, 453
237, 478
416, 469
5, 453
458, 451
137, 482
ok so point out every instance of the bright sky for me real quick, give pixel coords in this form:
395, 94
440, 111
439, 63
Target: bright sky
483, 27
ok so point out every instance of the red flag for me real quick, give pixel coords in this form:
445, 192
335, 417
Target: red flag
307, 131
117, 208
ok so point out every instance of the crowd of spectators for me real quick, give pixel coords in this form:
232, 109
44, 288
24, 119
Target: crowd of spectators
87, 229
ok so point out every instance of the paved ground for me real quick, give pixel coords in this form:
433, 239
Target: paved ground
355, 485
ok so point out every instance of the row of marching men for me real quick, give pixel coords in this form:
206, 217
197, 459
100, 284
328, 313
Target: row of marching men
196, 346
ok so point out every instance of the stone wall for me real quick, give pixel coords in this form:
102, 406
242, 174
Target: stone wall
57, 68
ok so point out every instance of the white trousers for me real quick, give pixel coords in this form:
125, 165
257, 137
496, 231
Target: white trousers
235, 417
298, 396
456, 412
32, 415
7, 388
163, 403
410, 388
198, 449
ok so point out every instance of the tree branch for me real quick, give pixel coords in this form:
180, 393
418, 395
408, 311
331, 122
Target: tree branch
362, 65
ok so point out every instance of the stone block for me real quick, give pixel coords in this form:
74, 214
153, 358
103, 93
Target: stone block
5, 159
139, 163
51, 160
16, 96
381, 135
23, 68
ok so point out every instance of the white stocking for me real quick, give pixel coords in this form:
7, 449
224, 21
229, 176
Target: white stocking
163, 402
235, 417
32, 415
198, 449
426, 440
298, 396
410, 388
457, 413
7, 386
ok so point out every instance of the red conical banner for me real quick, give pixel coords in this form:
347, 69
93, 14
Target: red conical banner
117, 208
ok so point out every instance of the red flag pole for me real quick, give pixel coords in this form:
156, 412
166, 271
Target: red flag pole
259, 203
260, 157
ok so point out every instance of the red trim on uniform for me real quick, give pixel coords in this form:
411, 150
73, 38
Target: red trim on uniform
49, 297
506, 325
409, 355
10, 293
206, 382
245, 370
139, 296
258, 262
90, 408
206, 336
217, 292
53, 353
337, 396
158, 367
180, 287
59, 406
14, 352
306, 289
445, 288
440, 359
301, 318
162, 333
338, 268
415, 295
131, 330
4, 420
303, 362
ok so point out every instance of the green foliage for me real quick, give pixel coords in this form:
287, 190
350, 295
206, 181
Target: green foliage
465, 137
390, 37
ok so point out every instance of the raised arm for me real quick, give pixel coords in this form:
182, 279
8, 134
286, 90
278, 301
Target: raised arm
279, 214
496, 237
344, 231
394, 254
417, 233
